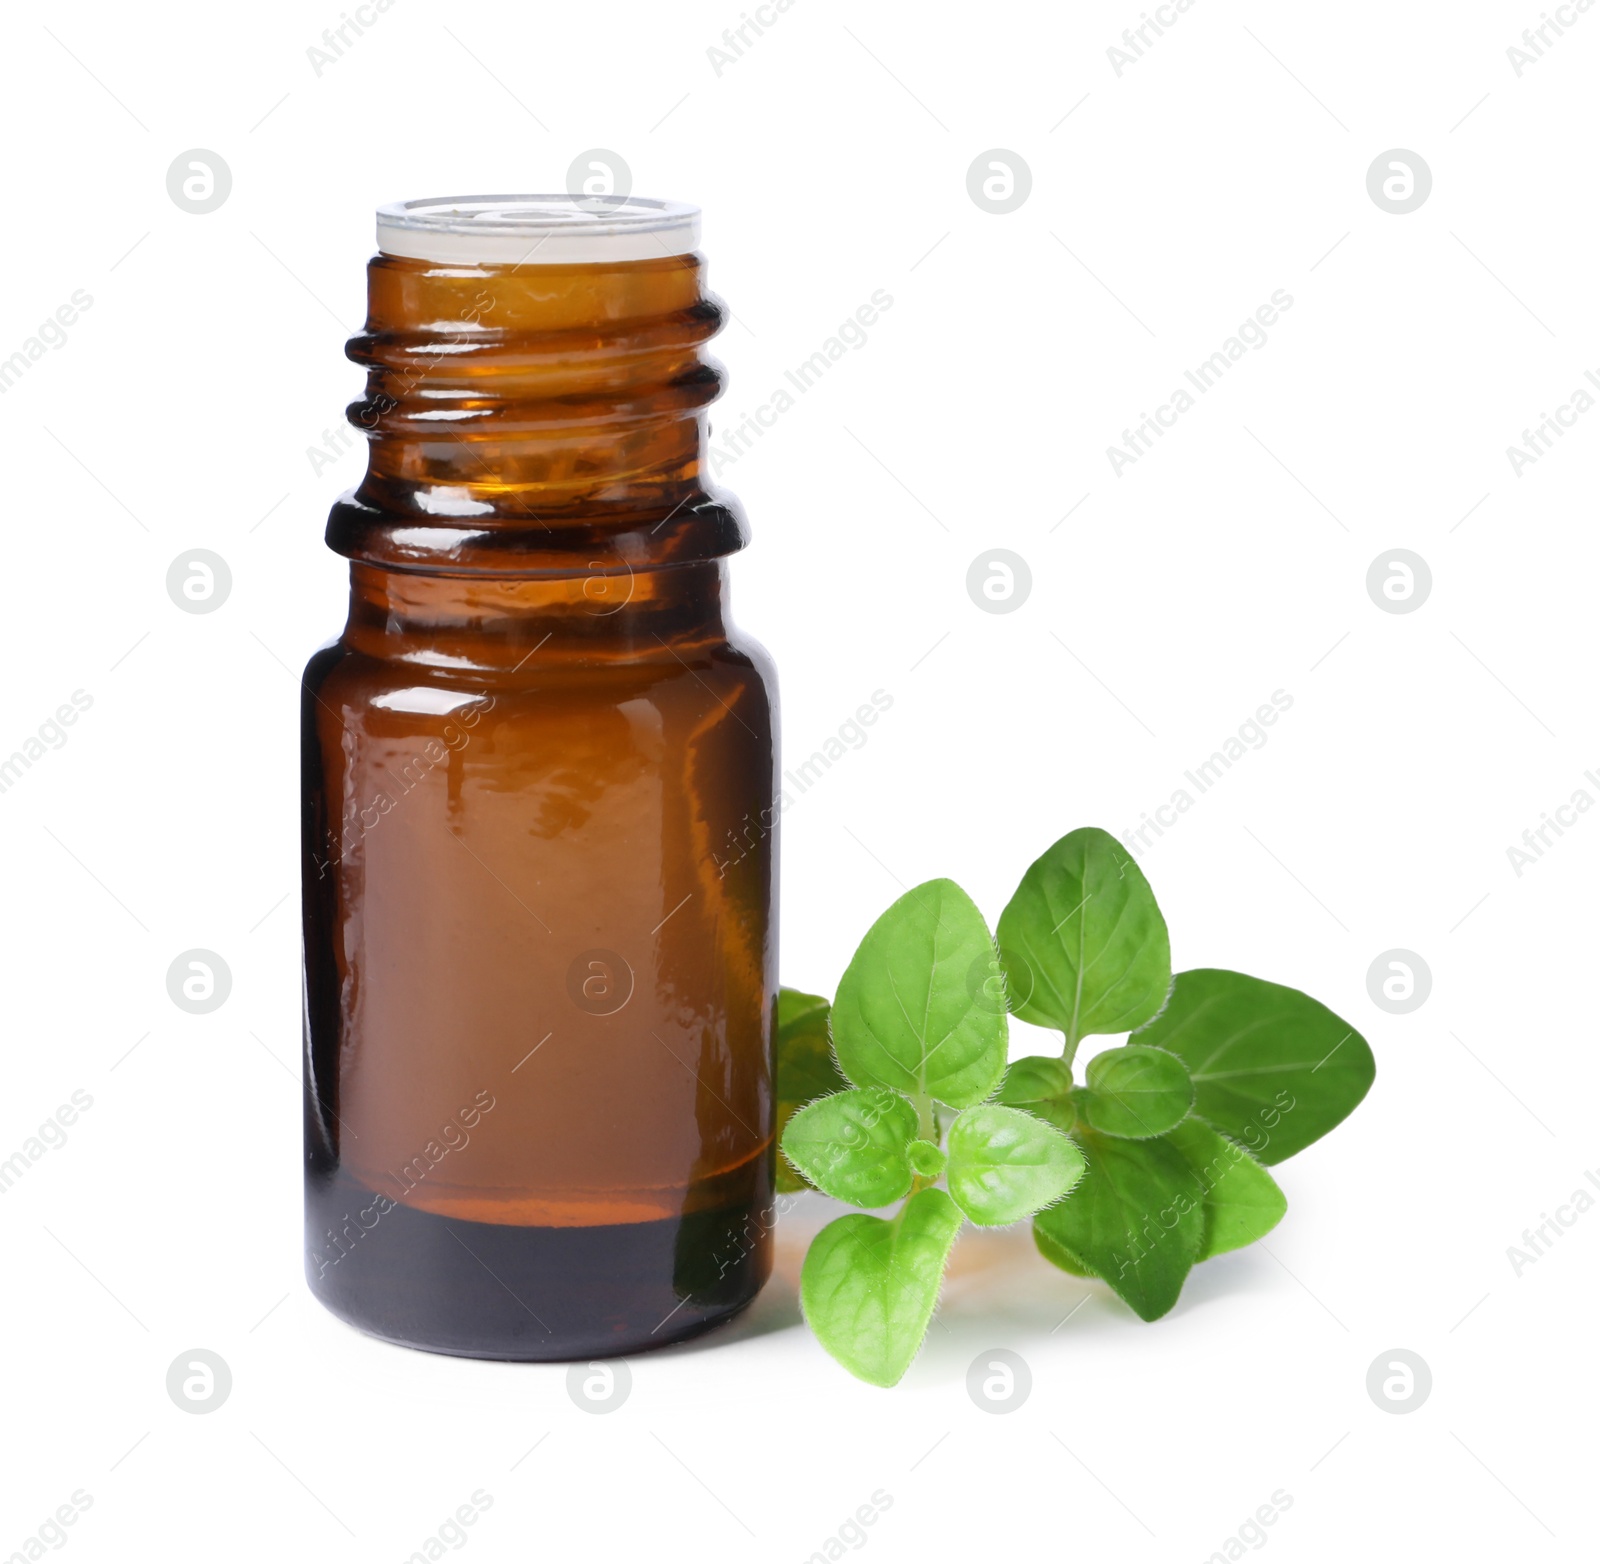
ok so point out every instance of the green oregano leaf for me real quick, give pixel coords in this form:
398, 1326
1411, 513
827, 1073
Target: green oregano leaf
927, 1161
1136, 1091
854, 1145
1242, 1200
1272, 1068
795, 1008
1059, 1255
1041, 1084
913, 1012
803, 1067
1135, 1220
1082, 941
1005, 1164
868, 1286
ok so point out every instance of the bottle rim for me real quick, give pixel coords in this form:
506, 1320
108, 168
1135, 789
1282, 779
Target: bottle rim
537, 230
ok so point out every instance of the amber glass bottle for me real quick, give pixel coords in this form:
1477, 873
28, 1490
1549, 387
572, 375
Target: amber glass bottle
539, 828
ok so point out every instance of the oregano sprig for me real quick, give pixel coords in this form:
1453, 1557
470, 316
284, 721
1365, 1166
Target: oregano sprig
1156, 1162
919, 1031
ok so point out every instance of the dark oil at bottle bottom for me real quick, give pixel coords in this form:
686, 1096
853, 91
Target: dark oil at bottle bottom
539, 1294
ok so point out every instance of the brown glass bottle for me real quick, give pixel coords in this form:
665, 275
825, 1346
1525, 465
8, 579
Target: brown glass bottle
539, 829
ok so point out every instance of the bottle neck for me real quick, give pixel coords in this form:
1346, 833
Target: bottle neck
505, 624
535, 420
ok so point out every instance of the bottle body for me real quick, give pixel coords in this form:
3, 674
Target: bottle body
539, 885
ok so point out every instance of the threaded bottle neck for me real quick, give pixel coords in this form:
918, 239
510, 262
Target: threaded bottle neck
535, 419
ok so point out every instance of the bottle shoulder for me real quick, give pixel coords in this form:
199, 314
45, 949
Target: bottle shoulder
348, 674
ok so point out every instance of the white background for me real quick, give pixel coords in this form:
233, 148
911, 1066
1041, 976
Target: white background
1169, 602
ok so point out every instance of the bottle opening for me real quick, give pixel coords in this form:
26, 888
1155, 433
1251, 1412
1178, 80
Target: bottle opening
538, 230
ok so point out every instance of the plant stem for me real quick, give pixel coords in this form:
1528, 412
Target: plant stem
1069, 1052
